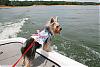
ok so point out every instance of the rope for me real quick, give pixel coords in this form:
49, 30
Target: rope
23, 54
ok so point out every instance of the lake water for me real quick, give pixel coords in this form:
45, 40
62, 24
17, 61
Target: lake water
79, 38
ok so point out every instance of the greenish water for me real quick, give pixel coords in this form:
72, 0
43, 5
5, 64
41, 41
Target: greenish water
79, 38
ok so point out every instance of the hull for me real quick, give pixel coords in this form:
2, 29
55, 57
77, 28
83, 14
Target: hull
10, 53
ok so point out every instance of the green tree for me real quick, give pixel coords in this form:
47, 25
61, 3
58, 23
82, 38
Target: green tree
4, 2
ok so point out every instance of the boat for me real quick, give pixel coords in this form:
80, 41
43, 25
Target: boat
10, 53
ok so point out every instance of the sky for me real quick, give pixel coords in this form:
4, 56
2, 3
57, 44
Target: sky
69, 0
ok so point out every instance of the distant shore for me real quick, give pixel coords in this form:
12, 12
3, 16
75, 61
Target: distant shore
47, 3
3, 6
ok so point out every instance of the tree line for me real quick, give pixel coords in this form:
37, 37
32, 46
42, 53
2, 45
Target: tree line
30, 3
4, 2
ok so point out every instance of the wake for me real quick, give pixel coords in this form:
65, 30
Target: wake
10, 29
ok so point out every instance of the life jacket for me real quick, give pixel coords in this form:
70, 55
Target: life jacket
42, 37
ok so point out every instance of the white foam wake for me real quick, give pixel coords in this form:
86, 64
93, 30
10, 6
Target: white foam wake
11, 30
92, 51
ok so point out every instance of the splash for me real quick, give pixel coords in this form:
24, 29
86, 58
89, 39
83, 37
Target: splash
92, 51
10, 29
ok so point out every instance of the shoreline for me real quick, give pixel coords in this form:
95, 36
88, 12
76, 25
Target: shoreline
3, 6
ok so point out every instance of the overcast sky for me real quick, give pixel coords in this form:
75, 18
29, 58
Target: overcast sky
69, 0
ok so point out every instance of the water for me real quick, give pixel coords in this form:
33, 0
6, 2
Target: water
79, 39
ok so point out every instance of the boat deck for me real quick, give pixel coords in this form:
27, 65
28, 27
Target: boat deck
10, 53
